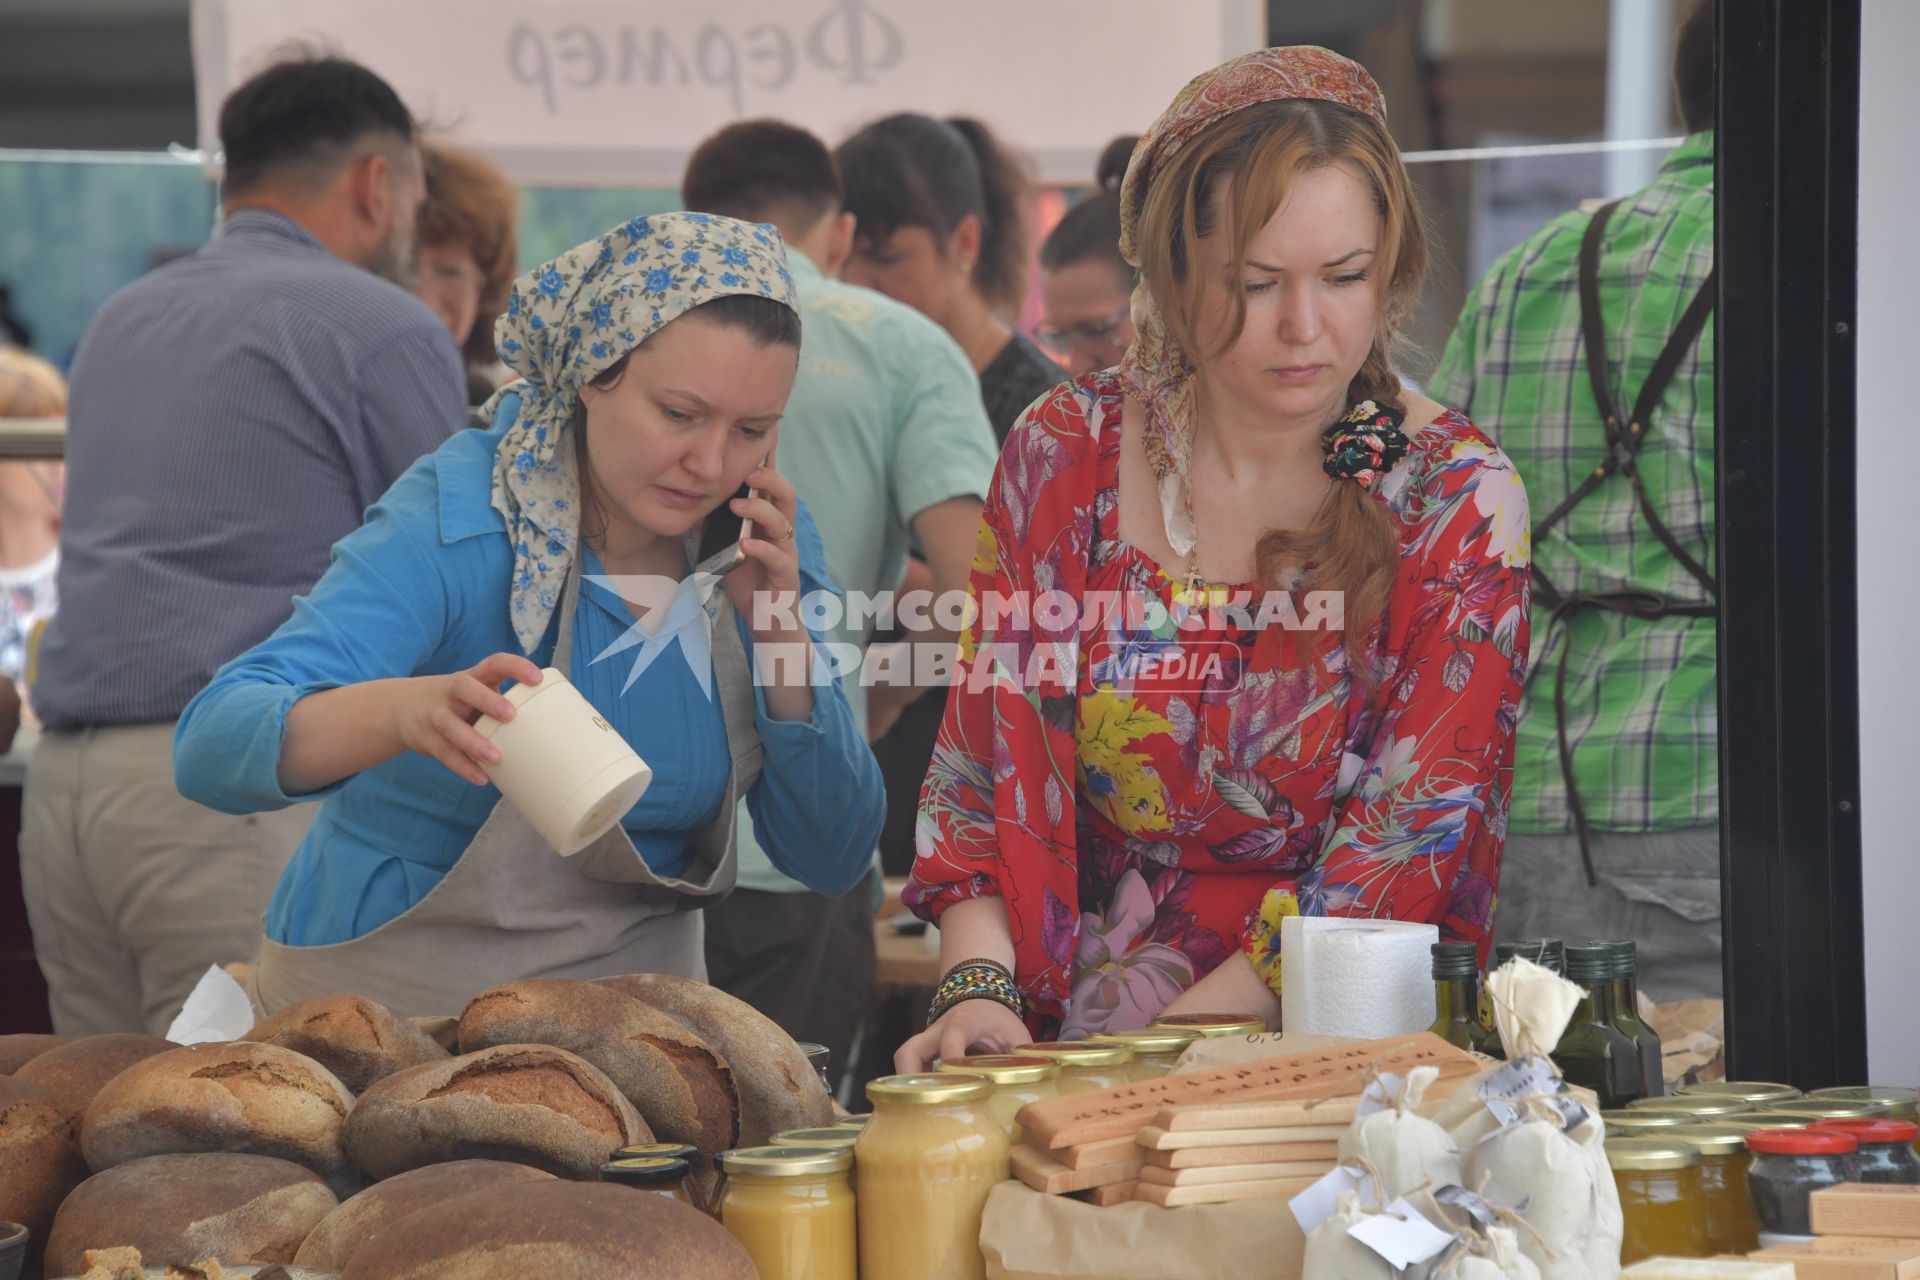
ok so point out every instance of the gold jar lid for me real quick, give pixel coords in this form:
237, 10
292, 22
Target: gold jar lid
655, 1150
1710, 1139
1649, 1155
929, 1090
1159, 1040
650, 1167
1005, 1068
855, 1123
1751, 1120
1689, 1105
1213, 1024
1079, 1053
1827, 1109
1755, 1092
1904, 1101
833, 1137
1624, 1121
784, 1162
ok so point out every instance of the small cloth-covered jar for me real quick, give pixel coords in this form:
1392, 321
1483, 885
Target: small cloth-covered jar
1789, 1165
1886, 1153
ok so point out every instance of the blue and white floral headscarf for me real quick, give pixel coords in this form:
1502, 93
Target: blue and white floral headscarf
568, 322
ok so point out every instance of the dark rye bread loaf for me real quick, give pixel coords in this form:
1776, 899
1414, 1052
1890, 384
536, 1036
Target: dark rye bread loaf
680, 1084
39, 1158
356, 1039
73, 1073
555, 1231
778, 1087
16, 1051
332, 1244
180, 1209
528, 1103
255, 1098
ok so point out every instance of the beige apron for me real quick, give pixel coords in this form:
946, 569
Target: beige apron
511, 908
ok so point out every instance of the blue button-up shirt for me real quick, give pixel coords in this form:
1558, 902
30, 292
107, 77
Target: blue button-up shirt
231, 417
423, 589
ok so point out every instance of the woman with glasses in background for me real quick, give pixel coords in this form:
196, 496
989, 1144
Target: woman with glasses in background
1085, 285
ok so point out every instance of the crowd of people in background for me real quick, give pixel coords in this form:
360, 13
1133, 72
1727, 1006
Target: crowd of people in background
234, 416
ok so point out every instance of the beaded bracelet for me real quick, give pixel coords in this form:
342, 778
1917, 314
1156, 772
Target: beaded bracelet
976, 980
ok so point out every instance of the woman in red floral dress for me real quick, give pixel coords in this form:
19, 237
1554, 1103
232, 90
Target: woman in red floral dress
1250, 619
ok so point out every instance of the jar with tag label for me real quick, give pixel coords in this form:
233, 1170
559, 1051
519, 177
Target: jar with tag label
1724, 1160
1661, 1202
928, 1161
792, 1209
1084, 1064
1017, 1080
1154, 1052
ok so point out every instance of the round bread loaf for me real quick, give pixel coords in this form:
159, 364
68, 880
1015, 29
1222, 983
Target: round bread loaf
16, 1051
75, 1072
39, 1159
255, 1098
528, 1103
680, 1085
778, 1087
556, 1231
181, 1209
356, 1039
332, 1244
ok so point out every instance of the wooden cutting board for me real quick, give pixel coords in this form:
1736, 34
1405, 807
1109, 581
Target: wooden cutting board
1275, 1188
1153, 1173
1043, 1173
1154, 1138
1214, 1157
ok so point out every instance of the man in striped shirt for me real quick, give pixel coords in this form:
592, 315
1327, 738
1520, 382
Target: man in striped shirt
232, 414
1638, 715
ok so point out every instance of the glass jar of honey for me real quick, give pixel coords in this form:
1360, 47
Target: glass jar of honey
928, 1161
832, 1139
1723, 1184
1084, 1064
662, 1175
1213, 1024
1017, 1080
1662, 1205
1826, 1109
1753, 1093
1629, 1122
1788, 1166
1902, 1103
853, 1122
1154, 1052
1685, 1105
792, 1209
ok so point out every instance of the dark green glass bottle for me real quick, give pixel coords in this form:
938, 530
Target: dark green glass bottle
1456, 993
1548, 953
1626, 1016
1594, 1053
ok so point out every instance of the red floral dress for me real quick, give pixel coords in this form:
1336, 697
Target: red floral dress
1153, 778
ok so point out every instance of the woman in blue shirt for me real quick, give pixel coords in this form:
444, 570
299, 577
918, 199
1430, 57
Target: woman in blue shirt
657, 360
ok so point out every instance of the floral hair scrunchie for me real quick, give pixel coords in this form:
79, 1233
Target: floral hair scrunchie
1364, 445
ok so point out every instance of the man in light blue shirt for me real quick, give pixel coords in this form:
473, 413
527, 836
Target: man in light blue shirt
886, 439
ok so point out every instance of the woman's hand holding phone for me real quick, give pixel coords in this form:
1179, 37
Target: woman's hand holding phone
769, 571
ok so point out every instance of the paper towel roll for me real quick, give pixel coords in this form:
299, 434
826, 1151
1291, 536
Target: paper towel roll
1368, 979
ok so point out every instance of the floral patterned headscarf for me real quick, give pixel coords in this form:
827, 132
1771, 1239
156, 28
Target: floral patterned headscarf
568, 322
1157, 371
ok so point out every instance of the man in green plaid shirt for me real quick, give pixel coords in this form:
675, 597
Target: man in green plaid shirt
1641, 713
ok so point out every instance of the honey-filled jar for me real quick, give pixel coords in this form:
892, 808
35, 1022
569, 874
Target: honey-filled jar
1017, 1080
928, 1161
1084, 1064
1902, 1103
833, 1138
1155, 1051
1753, 1093
1690, 1105
1213, 1024
1662, 1205
1631, 1122
791, 1208
1731, 1226
662, 1175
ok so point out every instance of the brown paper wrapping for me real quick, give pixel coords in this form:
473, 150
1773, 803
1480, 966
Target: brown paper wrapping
1028, 1236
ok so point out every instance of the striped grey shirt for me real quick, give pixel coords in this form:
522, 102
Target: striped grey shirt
231, 416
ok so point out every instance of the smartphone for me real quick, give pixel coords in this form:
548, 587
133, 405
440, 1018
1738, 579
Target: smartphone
718, 553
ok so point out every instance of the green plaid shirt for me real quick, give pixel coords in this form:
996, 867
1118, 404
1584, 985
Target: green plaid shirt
1642, 717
